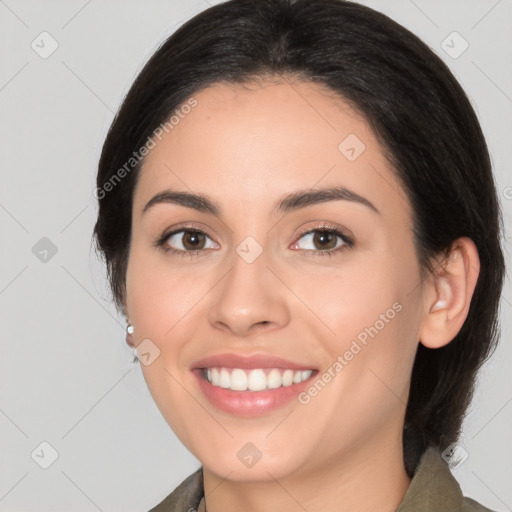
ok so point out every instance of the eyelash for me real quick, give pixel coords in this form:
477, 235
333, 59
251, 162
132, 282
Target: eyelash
325, 228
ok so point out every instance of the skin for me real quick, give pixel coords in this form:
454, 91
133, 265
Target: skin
246, 149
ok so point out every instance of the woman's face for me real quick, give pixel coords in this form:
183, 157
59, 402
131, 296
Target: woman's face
258, 281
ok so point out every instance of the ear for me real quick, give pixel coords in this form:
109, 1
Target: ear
448, 294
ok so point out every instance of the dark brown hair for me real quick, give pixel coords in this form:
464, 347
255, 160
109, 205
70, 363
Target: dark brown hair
418, 112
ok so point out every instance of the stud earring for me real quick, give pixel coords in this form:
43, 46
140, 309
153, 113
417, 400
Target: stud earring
130, 341
129, 335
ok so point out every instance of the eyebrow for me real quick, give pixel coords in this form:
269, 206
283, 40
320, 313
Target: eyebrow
293, 201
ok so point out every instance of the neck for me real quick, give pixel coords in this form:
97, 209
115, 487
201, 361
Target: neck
372, 477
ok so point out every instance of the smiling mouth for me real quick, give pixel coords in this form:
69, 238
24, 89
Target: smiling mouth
256, 379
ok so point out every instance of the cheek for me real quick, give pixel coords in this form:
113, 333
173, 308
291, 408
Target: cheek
161, 304
366, 314
159, 294
350, 296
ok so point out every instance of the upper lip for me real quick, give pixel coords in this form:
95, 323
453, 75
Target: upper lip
228, 360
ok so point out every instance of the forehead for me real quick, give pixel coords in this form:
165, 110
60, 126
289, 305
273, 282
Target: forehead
250, 143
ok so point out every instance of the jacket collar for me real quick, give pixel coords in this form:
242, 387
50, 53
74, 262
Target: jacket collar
433, 487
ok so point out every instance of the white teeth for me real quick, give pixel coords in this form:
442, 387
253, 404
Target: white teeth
224, 379
274, 379
238, 380
258, 379
306, 374
288, 378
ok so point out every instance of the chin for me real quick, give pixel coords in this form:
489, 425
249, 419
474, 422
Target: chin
246, 464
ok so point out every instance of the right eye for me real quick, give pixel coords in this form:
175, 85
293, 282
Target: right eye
185, 241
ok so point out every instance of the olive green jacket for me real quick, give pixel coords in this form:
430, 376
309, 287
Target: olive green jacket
433, 488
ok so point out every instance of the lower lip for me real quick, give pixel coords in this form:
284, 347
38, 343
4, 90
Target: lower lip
250, 403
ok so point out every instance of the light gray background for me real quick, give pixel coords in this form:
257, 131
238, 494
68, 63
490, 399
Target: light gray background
65, 372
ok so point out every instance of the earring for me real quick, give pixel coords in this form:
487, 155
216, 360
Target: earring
129, 335
130, 341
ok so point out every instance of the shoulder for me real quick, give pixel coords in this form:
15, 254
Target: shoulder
185, 497
470, 505
433, 488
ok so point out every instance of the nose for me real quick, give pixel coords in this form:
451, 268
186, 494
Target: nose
250, 298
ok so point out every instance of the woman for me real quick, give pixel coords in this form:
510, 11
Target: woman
299, 220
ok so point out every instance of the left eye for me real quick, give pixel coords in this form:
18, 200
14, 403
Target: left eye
324, 240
